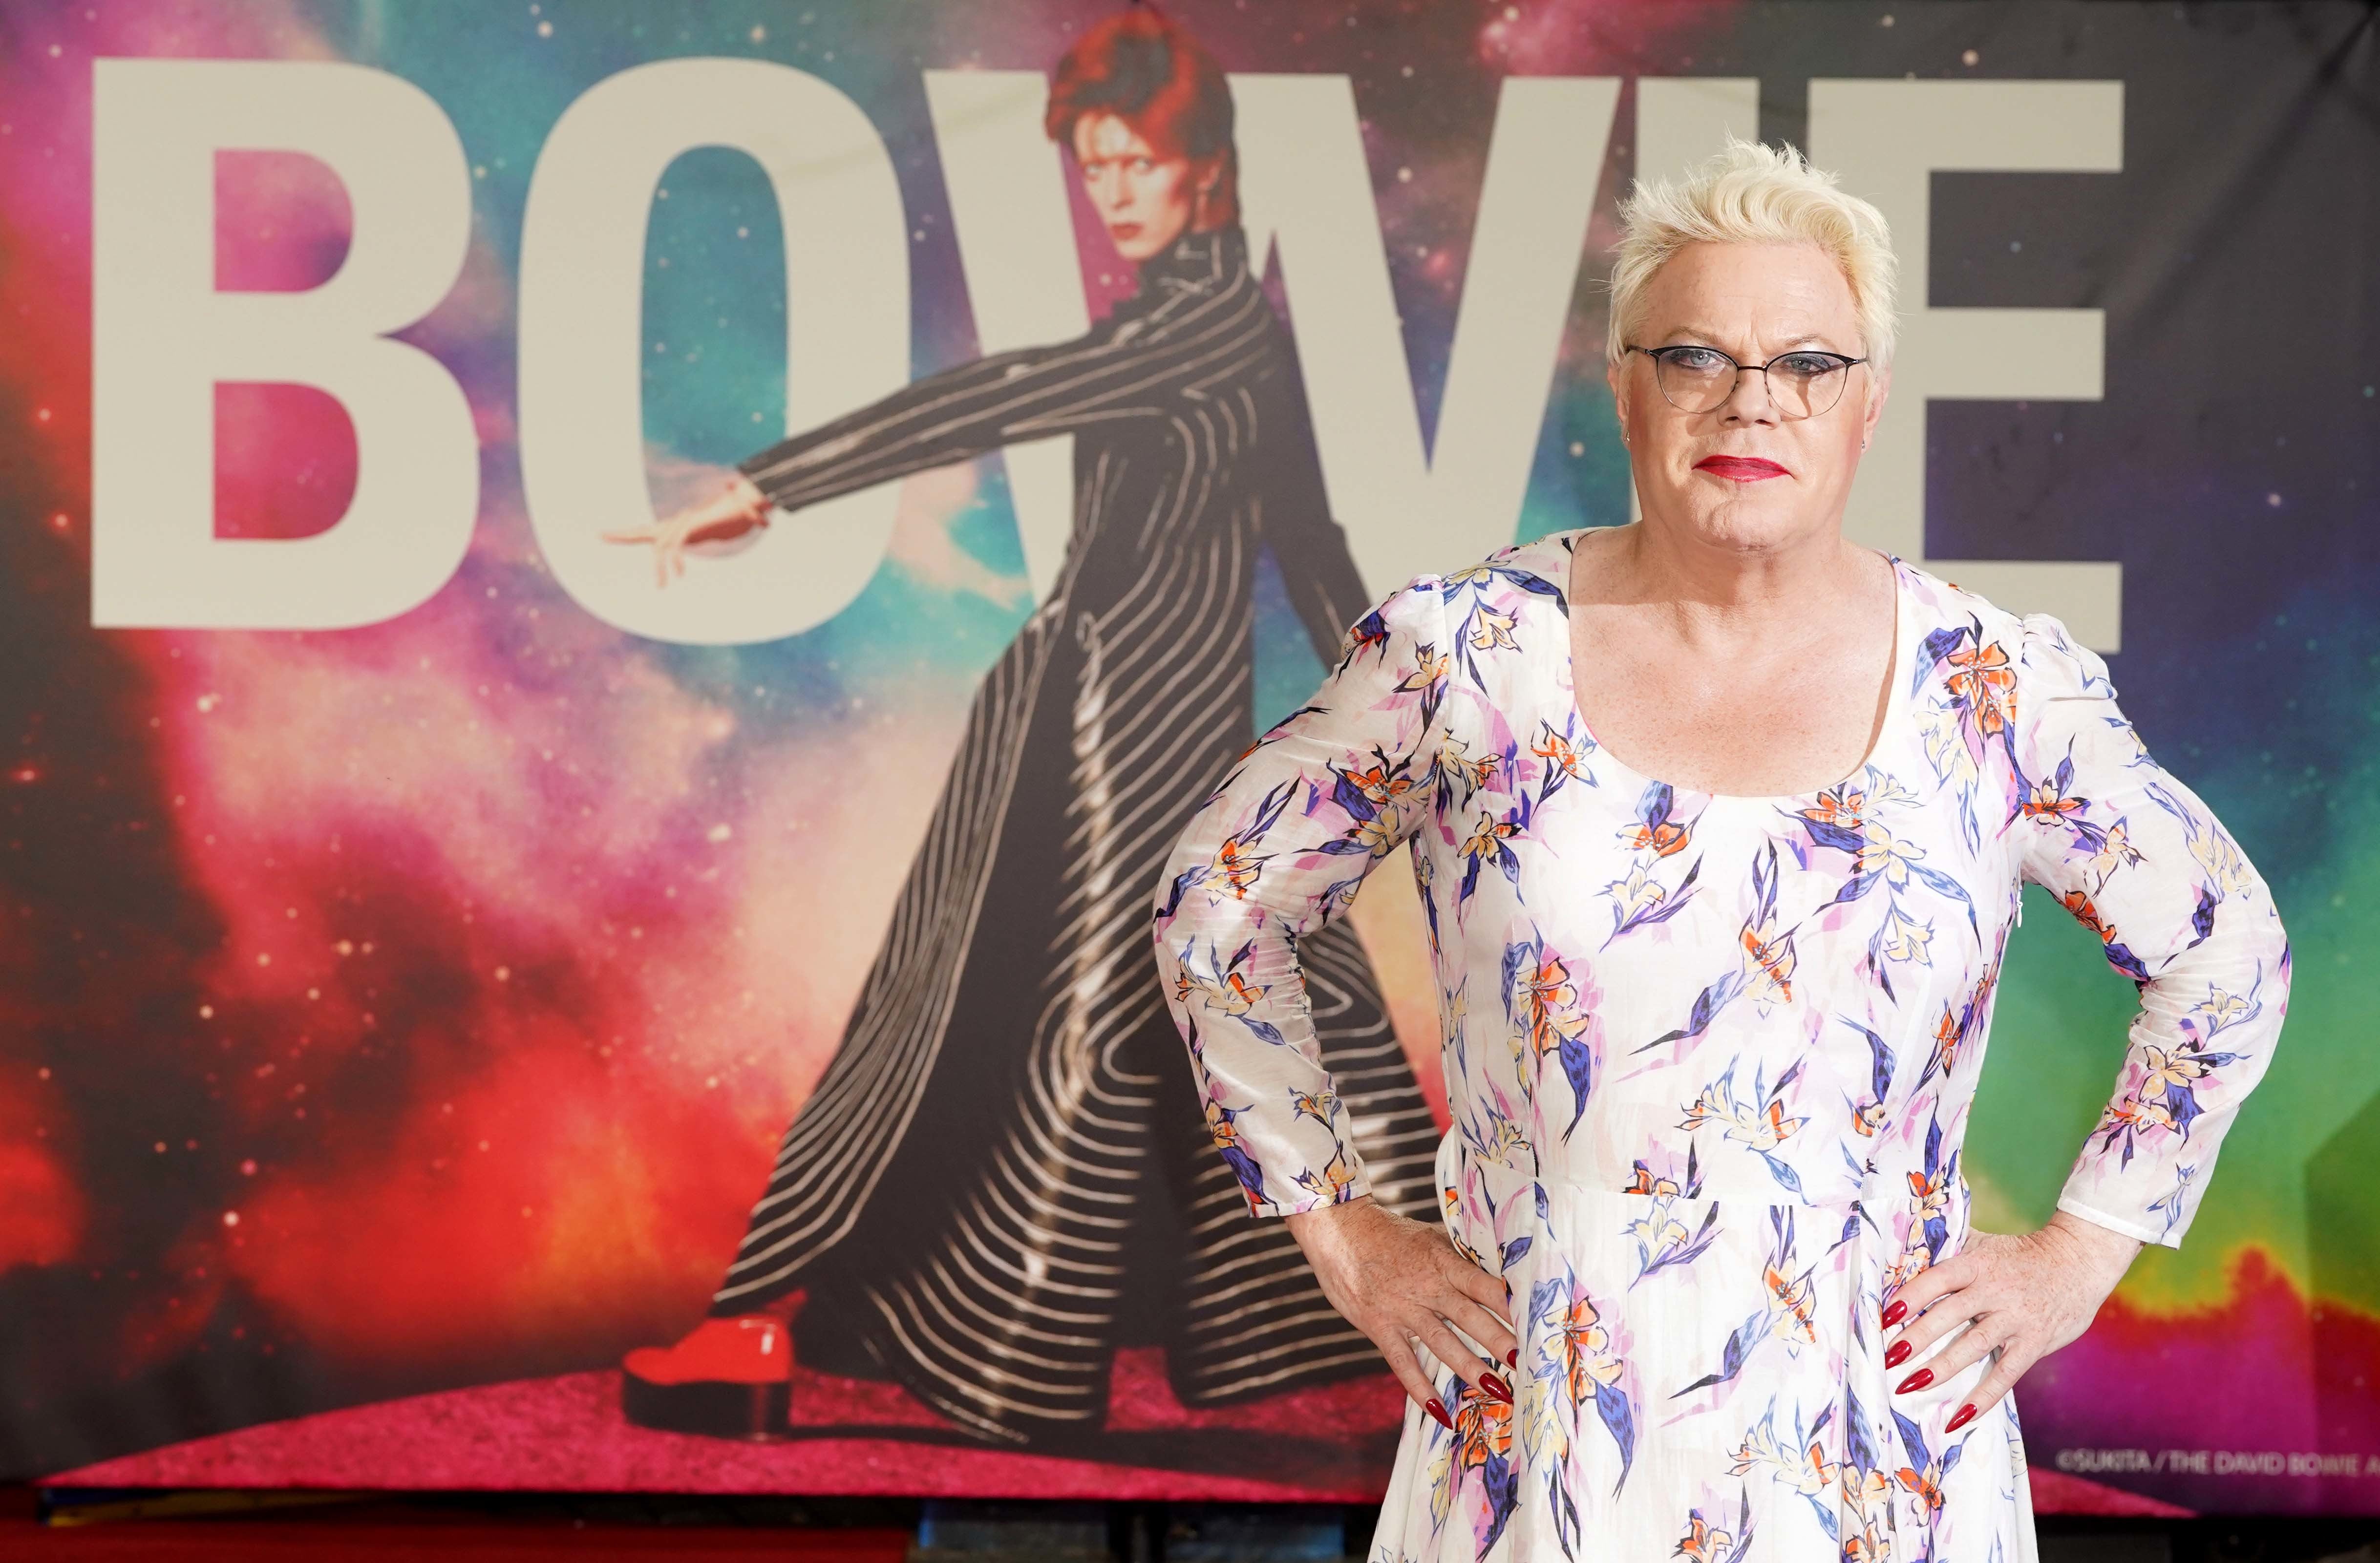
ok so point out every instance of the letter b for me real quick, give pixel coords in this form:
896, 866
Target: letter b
163, 337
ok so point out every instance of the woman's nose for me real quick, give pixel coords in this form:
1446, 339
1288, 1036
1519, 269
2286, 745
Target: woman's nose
1750, 401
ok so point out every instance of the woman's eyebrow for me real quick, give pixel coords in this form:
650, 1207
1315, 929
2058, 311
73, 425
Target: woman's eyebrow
1703, 336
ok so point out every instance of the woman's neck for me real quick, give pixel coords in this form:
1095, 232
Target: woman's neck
1707, 584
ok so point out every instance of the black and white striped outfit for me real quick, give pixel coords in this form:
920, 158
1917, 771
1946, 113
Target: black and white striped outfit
1005, 1173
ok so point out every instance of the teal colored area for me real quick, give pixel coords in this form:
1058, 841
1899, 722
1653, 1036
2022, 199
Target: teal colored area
1287, 668
1580, 475
986, 530
713, 344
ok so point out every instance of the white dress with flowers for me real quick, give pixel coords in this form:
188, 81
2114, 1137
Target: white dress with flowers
1710, 1057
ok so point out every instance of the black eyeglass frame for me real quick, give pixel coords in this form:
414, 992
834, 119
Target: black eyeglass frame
1842, 361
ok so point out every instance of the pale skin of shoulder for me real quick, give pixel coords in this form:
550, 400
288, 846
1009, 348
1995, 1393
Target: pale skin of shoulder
1733, 641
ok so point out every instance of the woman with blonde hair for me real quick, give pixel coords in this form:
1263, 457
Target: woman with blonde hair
1720, 824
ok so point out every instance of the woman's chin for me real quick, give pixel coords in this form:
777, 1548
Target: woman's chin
1761, 518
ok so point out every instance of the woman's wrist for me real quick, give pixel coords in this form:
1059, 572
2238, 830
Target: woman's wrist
1324, 1226
2102, 1248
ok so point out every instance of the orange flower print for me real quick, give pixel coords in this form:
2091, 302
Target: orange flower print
1583, 1347
1773, 960
1789, 1301
1552, 1006
1379, 788
1557, 751
1483, 1430
1982, 680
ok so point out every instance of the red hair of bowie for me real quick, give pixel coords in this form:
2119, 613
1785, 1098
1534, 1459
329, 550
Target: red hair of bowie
1144, 67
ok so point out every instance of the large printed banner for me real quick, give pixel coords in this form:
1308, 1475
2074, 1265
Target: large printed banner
423, 920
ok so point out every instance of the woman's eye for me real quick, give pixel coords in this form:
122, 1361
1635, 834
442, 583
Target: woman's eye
1141, 165
1696, 360
1808, 366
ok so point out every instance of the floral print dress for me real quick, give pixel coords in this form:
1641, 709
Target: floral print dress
1710, 1057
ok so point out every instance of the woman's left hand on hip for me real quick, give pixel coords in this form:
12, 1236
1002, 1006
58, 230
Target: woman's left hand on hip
2014, 1297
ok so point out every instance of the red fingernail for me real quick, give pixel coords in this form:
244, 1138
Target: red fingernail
1917, 1380
1898, 1355
1512, 1358
1894, 1314
1438, 1412
1496, 1387
1966, 1414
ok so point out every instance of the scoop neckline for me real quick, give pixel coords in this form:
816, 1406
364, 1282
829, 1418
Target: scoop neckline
1895, 699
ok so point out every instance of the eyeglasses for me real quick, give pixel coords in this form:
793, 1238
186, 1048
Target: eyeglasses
1802, 383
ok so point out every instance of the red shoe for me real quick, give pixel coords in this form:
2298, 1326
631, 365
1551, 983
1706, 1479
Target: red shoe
729, 1378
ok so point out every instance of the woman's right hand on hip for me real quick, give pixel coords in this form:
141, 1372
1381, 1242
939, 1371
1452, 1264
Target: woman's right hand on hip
739, 508
1403, 1283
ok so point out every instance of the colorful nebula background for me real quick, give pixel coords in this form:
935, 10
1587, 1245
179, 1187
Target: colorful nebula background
415, 1006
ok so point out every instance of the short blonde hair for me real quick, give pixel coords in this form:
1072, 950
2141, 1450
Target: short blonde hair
1754, 194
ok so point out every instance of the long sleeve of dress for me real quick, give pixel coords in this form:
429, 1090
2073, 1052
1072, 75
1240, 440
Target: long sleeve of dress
1126, 367
1277, 852
2138, 859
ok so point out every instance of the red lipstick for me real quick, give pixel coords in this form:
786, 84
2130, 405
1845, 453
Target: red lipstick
1739, 469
